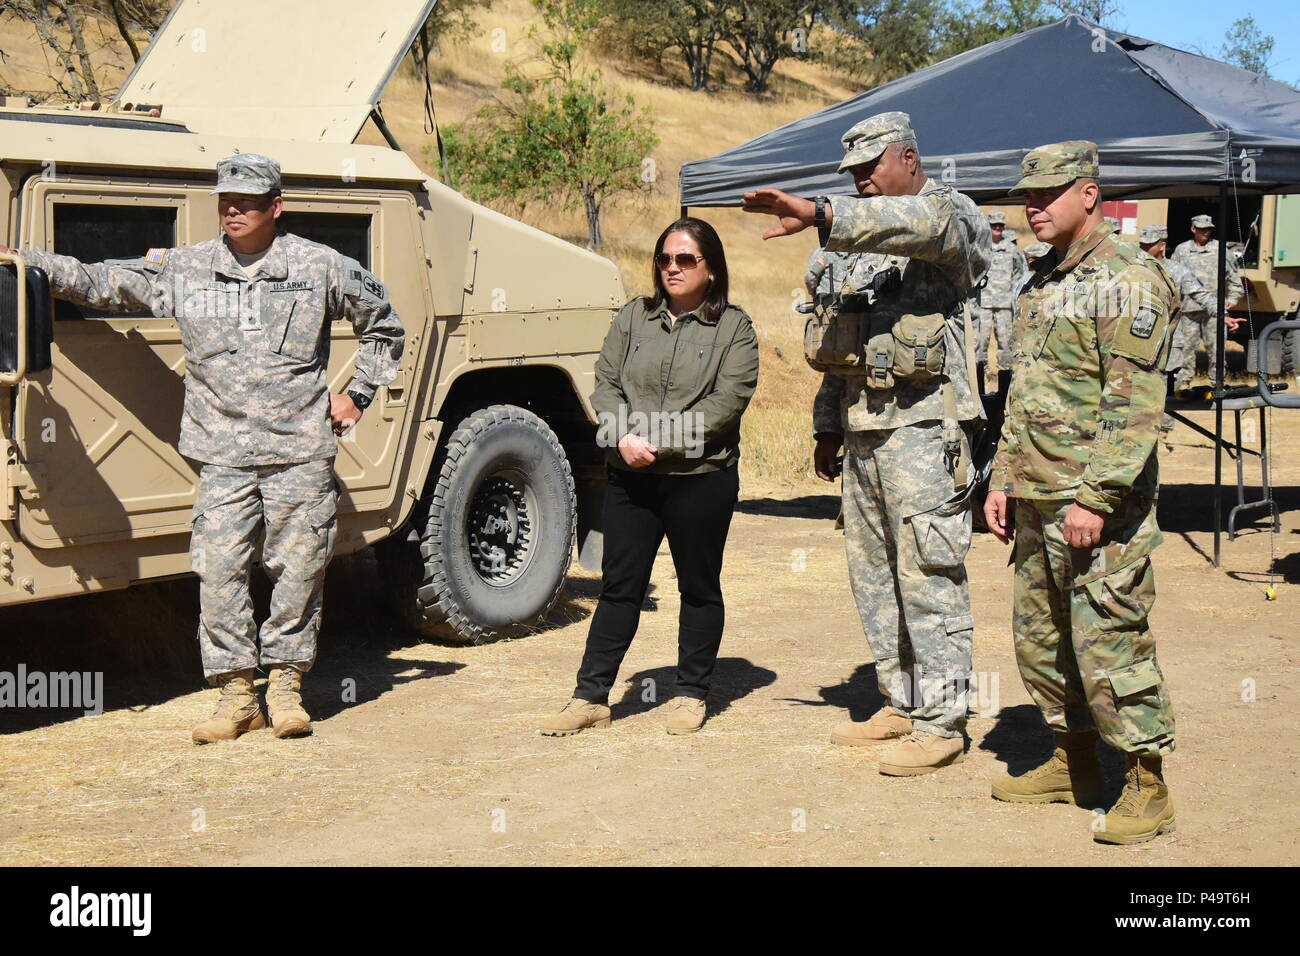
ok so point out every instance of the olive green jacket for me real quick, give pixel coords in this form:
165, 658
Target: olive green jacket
683, 386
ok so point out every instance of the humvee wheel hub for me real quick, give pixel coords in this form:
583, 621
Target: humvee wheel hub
500, 532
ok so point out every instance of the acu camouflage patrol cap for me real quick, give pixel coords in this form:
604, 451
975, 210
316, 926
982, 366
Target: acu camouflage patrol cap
1202, 222
249, 173
997, 219
1152, 234
1037, 250
1057, 164
867, 140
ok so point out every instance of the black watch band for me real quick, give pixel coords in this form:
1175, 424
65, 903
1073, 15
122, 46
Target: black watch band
819, 212
361, 401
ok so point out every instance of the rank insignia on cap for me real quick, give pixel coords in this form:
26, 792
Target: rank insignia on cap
155, 256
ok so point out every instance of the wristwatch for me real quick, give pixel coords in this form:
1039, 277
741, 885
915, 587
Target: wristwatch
361, 401
819, 212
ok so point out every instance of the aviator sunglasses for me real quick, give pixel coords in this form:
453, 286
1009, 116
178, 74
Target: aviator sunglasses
684, 260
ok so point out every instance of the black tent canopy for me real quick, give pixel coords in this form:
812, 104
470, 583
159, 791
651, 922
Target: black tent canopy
1168, 122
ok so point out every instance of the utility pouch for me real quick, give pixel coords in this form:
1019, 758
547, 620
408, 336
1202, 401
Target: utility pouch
832, 341
919, 349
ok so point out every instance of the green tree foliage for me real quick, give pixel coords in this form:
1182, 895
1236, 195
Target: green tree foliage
963, 26
689, 29
556, 135
881, 40
1247, 46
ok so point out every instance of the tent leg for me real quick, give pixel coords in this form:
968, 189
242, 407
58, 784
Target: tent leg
686, 211
1217, 371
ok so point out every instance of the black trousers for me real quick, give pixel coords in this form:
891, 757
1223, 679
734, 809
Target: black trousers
694, 511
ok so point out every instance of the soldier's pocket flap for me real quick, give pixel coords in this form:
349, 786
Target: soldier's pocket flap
1137, 677
955, 625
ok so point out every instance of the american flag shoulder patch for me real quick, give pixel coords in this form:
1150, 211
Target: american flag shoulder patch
156, 256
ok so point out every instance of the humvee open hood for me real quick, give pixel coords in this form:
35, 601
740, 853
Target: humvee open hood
279, 69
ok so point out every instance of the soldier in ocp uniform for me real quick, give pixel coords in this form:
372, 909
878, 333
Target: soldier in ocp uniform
1077, 460
924, 248
995, 302
1197, 306
1200, 254
254, 309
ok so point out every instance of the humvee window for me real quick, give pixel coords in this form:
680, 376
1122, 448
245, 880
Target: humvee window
93, 232
347, 232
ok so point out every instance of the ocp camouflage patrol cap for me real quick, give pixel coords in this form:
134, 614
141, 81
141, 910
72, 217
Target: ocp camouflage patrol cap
250, 173
1153, 233
1037, 250
997, 219
1202, 222
866, 140
1057, 164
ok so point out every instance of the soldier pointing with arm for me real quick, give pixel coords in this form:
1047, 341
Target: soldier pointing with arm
254, 309
897, 396
1078, 459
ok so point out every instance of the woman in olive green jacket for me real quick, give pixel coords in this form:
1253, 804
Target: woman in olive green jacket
675, 374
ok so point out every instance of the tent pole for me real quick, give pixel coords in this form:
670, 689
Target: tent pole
686, 211
1217, 371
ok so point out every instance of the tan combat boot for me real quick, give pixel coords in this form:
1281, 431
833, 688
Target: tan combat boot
1144, 809
685, 715
884, 724
284, 703
575, 716
921, 752
237, 711
1070, 775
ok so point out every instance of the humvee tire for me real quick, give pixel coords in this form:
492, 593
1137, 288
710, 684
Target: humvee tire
1290, 353
493, 535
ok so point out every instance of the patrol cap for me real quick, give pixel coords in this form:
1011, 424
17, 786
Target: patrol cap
1037, 250
1009, 233
1202, 222
997, 218
867, 140
1057, 164
250, 173
1151, 234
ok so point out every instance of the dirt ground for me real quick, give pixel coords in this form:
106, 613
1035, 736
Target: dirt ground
437, 760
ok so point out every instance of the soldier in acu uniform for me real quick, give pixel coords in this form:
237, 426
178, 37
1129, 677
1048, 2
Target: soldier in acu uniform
254, 309
1200, 254
1035, 251
1193, 314
995, 303
907, 521
1077, 460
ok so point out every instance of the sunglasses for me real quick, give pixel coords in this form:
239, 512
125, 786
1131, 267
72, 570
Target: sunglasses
684, 260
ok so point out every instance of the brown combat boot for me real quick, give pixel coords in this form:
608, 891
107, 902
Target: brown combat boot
1070, 775
1144, 809
685, 715
284, 703
884, 724
575, 716
237, 711
921, 752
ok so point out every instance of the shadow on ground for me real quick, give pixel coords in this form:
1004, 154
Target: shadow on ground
805, 506
1021, 740
734, 678
143, 642
859, 695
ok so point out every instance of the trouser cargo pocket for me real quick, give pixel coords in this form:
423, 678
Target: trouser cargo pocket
943, 534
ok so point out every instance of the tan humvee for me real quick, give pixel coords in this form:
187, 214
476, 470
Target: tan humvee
474, 469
